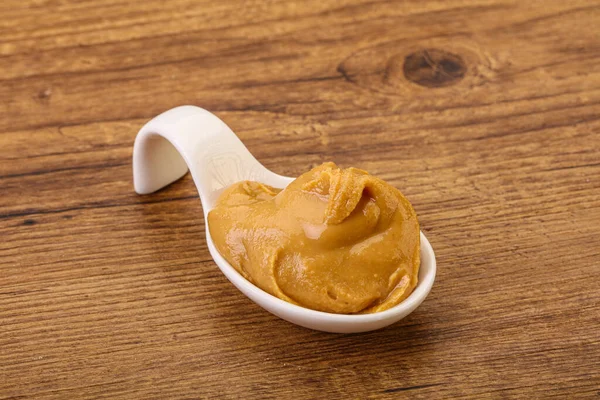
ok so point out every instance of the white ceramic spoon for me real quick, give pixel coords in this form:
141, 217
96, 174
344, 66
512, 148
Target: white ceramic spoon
189, 137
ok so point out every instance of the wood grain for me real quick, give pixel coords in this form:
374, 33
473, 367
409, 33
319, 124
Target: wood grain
485, 113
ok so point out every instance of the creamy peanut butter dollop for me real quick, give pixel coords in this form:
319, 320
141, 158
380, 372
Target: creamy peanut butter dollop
335, 240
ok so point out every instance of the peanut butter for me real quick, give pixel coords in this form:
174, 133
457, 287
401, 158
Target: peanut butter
335, 240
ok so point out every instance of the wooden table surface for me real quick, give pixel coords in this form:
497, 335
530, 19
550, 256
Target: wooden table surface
485, 113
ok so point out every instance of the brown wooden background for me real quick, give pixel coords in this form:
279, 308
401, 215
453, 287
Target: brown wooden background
485, 113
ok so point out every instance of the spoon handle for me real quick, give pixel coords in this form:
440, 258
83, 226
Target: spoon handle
190, 137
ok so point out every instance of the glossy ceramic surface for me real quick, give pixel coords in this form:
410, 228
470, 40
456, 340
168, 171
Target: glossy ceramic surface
190, 137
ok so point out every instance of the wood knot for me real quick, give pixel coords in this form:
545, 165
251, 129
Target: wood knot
434, 68
403, 69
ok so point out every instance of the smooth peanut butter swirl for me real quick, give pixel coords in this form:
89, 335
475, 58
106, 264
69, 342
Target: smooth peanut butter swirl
335, 240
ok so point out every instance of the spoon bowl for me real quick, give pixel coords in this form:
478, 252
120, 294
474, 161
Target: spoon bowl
190, 137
